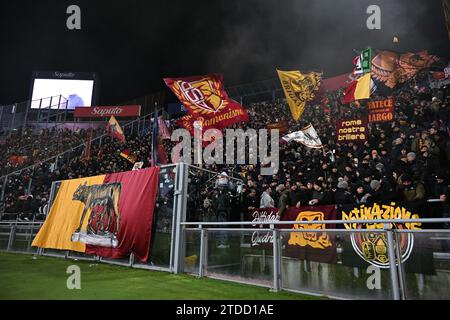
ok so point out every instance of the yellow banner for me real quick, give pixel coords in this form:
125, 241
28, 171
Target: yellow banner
64, 217
299, 89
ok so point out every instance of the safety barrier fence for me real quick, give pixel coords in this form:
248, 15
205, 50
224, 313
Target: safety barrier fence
423, 274
390, 262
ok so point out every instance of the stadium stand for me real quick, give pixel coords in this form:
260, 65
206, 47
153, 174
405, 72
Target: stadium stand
404, 160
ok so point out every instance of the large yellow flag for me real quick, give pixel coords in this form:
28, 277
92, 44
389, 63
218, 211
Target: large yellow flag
299, 88
64, 217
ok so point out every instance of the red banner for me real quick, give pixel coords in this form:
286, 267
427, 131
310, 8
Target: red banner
206, 100
282, 126
108, 111
336, 83
351, 131
311, 245
136, 205
381, 111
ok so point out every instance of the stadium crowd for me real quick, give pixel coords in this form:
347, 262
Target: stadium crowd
405, 160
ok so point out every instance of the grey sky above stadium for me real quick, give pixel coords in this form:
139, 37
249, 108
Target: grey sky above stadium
134, 44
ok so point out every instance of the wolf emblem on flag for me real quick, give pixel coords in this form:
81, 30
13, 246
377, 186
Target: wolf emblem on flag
104, 219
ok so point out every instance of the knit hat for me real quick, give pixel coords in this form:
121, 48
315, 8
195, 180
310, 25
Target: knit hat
411, 154
375, 184
342, 184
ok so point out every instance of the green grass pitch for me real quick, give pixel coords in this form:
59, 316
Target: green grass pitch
42, 278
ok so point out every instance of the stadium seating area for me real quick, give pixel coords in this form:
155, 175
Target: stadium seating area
404, 160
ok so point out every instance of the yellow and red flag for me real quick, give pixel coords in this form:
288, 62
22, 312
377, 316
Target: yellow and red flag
108, 215
128, 155
206, 100
358, 89
114, 130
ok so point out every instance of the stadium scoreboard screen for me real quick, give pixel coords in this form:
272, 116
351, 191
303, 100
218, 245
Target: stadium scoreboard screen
63, 90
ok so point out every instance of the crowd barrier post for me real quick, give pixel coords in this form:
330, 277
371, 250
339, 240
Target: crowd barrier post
12, 235
276, 258
202, 252
401, 271
180, 203
392, 263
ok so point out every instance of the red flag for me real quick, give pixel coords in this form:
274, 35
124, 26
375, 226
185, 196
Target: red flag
164, 132
88, 145
162, 155
206, 100
136, 206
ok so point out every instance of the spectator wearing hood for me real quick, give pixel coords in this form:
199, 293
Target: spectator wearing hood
411, 191
319, 195
342, 195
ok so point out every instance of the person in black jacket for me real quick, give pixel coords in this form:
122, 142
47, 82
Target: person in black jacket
320, 196
342, 195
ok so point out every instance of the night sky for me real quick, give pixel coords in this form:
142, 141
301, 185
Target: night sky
133, 44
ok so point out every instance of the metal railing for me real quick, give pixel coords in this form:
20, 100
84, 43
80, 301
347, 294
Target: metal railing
398, 283
323, 262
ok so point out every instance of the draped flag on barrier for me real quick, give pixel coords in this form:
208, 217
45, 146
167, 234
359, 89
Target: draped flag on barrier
206, 100
108, 215
372, 247
299, 89
315, 245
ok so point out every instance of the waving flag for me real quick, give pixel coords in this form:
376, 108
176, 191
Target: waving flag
114, 130
206, 100
358, 89
299, 89
307, 136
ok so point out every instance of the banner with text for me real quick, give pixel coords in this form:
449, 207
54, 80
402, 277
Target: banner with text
355, 130
381, 111
108, 111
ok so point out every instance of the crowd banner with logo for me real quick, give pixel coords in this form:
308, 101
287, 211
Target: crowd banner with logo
206, 100
108, 215
372, 248
299, 89
312, 245
381, 110
282, 126
108, 111
354, 130
391, 68
307, 136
